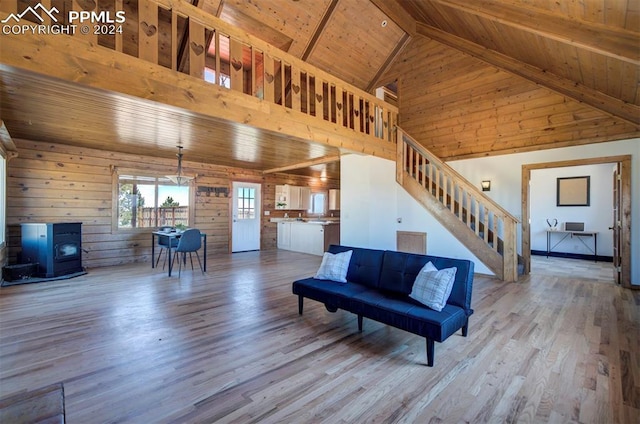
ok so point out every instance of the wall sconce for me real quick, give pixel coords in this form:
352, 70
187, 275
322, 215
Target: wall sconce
486, 185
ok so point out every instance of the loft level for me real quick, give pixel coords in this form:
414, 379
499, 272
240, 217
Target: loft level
190, 59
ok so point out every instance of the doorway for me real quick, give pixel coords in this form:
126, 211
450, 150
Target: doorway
623, 261
245, 217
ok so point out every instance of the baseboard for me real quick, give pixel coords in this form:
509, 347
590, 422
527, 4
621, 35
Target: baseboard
572, 256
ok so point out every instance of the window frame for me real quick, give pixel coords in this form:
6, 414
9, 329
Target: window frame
148, 173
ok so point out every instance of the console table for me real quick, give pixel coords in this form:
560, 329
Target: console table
579, 234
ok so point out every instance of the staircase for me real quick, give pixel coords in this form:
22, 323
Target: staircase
478, 222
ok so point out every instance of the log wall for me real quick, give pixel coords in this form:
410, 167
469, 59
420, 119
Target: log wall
56, 183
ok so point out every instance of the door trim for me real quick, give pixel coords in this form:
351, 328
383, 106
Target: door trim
625, 230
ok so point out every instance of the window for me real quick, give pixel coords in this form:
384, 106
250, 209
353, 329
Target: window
246, 203
317, 203
146, 201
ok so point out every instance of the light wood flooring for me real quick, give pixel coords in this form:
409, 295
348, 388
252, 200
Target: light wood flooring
567, 267
130, 344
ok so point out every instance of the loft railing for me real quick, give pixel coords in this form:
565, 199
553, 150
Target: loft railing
463, 204
184, 38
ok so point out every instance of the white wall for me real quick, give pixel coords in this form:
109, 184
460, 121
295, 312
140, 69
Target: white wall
371, 202
505, 173
596, 217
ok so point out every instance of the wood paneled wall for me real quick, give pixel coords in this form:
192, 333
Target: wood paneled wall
56, 183
460, 107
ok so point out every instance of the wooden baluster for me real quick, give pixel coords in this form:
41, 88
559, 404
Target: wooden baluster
476, 216
253, 84
412, 152
119, 39
218, 70
318, 99
340, 106
423, 168
486, 224
495, 231
197, 49
469, 210
296, 90
436, 192
174, 40
269, 76
237, 66
451, 188
147, 31
331, 102
91, 36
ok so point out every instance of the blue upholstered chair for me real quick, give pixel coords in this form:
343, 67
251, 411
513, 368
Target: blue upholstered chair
163, 243
190, 241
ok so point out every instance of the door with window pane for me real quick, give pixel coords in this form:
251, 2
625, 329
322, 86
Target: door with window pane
245, 227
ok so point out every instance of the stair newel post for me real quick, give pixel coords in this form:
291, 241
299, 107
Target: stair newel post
510, 250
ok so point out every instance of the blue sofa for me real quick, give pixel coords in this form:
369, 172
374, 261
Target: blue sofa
378, 286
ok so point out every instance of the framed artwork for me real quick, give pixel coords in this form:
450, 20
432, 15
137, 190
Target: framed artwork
573, 191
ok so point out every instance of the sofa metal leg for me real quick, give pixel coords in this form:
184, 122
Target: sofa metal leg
300, 302
360, 323
430, 352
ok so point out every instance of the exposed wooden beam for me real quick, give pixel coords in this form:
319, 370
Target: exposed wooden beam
397, 14
628, 112
375, 81
306, 164
316, 34
608, 41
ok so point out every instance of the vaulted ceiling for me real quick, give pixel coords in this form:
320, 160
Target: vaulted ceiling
472, 78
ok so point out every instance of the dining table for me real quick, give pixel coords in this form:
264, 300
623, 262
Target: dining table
170, 236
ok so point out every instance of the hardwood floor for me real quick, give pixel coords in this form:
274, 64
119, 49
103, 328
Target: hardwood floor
130, 344
565, 267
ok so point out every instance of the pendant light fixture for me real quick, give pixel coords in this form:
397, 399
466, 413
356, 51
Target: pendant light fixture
179, 179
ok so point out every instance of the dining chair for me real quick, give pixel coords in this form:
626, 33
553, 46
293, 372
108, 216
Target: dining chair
163, 243
190, 241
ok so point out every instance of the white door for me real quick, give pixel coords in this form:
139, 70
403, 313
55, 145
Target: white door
245, 228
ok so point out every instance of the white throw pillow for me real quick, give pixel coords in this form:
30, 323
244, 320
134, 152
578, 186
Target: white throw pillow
334, 267
432, 287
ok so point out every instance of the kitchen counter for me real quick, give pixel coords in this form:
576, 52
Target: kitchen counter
311, 235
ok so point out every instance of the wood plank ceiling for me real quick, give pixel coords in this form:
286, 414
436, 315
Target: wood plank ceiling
473, 78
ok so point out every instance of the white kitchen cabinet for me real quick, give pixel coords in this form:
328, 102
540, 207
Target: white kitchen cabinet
313, 238
334, 199
307, 238
292, 197
284, 235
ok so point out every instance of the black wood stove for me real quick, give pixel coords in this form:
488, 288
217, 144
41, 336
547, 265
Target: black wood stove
56, 248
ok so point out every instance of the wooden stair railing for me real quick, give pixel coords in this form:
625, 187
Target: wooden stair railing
482, 225
179, 36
